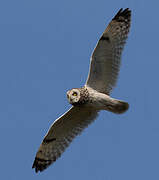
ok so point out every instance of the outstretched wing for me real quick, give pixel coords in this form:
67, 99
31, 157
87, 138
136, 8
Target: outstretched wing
105, 60
61, 134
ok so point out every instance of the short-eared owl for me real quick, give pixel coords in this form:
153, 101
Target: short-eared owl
93, 96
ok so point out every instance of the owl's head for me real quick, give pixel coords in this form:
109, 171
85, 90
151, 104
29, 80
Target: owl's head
73, 96
77, 96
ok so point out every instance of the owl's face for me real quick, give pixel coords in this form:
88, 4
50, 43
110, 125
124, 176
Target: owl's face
73, 96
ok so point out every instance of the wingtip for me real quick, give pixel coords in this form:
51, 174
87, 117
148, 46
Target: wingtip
34, 166
126, 14
41, 164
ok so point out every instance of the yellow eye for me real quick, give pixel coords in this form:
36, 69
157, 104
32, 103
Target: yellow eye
74, 94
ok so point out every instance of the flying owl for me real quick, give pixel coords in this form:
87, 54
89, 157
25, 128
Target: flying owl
93, 96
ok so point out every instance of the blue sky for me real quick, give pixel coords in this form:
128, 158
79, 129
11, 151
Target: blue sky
45, 48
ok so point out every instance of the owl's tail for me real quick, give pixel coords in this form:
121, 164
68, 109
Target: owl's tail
118, 106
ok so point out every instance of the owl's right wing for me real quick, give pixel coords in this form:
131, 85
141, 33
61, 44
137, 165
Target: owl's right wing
61, 134
105, 60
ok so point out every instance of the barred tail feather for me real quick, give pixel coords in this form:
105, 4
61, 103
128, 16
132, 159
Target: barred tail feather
118, 107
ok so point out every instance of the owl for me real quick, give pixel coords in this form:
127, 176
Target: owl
93, 97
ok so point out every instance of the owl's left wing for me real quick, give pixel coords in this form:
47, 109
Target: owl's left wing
61, 134
105, 60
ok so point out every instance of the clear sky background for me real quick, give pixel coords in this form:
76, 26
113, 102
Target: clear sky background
45, 48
